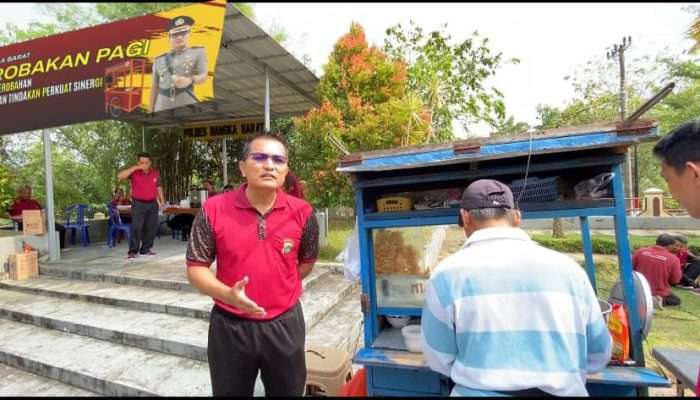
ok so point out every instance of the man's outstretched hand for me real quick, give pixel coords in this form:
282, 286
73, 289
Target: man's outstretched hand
236, 297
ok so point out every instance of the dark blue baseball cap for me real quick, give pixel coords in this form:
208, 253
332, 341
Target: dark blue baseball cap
486, 193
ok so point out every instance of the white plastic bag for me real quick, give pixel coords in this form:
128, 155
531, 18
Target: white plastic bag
350, 256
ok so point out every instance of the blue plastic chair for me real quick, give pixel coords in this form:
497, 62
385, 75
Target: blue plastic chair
79, 223
160, 225
115, 225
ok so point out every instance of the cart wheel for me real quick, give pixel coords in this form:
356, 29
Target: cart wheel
115, 109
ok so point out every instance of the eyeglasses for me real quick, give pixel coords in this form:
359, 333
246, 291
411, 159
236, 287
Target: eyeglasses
176, 34
263, 157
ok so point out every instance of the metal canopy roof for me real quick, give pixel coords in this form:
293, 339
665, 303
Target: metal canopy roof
239, 81
617, 134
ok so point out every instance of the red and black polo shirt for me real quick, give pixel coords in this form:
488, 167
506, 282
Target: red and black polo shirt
267, 248
20, 205
144, 186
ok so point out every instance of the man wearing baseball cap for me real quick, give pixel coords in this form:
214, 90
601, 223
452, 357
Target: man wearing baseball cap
177, 71
505, 316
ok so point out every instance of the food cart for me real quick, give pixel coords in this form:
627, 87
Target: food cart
400, 192
124, 83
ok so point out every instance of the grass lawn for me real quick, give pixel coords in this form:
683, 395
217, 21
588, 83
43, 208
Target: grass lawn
671, 327
338, 232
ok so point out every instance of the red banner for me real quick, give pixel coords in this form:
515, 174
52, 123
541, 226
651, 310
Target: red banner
107, 71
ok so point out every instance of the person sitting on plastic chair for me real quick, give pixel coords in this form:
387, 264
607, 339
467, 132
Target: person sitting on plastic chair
23, 202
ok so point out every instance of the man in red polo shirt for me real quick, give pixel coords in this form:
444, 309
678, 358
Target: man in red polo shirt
23, 202
264, 242
147, 198
661, 268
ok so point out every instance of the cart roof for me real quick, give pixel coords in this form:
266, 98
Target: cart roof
617, 134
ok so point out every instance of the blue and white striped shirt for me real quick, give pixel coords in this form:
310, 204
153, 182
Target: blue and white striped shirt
504, 314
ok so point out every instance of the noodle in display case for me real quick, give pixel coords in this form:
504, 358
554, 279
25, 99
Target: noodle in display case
404, 259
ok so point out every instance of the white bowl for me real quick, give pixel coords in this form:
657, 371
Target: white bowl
412, 337
398, 321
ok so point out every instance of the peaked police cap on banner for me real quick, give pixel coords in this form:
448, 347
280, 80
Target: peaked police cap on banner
181, 23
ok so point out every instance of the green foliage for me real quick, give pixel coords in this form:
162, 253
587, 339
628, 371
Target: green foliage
449, 78
338, 232
74, 180
597, 100
408, 94
602, 244
117, 11
364, 104
507, 126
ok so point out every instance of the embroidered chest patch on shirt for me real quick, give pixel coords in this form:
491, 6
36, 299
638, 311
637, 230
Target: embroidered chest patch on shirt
287, 246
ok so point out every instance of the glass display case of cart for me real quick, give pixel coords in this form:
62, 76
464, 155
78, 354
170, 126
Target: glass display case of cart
404, 257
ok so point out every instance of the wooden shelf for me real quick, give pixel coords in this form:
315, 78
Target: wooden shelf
524, 207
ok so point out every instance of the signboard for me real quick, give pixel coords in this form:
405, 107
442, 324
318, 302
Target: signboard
153, 63
234, 128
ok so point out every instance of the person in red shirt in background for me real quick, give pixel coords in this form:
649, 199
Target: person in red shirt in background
119, 199
208, 185
294, 186
23, 202
147, 199
682, 252
661, 268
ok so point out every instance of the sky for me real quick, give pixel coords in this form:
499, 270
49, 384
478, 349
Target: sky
550, 39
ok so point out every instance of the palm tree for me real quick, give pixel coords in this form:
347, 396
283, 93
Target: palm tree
435, 99
694, 33
413, 109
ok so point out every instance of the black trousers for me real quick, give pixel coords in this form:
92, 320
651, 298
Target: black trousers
672, 300
182, 222
690, 274
239, 347
61, 233
144, 226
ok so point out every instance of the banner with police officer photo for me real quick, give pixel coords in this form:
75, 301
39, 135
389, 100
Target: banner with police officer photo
146, 64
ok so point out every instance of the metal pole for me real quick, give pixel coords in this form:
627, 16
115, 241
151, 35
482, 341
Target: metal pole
224, 156
619, 52
143, 138
267, 101
48, 182
623, 114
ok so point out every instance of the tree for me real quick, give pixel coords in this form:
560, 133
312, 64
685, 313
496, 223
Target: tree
449, 78
365, 105
507, 126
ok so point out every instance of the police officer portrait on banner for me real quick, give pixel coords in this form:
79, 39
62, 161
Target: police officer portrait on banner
177, 71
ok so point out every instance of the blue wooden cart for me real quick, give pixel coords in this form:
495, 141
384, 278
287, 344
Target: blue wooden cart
572, 154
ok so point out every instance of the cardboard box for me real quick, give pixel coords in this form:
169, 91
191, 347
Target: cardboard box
34, 222
24, 265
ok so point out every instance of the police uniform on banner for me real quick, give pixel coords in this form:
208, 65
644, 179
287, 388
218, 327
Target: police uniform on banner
188, 62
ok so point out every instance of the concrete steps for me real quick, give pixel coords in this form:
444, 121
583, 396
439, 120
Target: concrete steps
175, 335
144, 298
126, 337
177, 282
100, 366
346, 317
18, 383
172, 334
